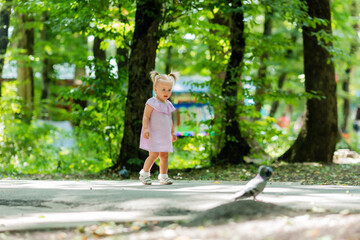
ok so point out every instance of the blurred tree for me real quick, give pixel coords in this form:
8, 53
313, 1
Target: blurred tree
25, 73
46, 62
354, 45
168, 59
319, 135
235, 147
263, 83
4, 29
98, 52
284, 72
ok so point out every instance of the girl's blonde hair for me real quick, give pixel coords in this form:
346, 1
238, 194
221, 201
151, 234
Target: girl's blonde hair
171, 77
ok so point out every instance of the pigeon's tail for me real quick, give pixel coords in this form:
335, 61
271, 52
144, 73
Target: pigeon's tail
245, 194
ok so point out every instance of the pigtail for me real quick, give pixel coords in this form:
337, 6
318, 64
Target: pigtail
174, 75
153, 75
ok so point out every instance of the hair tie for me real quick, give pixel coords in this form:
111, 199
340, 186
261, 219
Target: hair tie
156, 76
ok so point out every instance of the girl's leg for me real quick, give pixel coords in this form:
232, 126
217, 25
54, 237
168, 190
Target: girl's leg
149, 162
164, 162
145, 172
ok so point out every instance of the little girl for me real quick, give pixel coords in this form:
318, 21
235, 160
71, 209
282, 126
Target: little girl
157, 133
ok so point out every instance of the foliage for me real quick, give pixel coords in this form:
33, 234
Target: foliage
38, 147
102, 118
191, 152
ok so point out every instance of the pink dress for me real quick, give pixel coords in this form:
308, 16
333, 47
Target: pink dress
160, 124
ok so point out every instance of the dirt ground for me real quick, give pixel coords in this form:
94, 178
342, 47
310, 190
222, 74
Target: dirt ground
245, 219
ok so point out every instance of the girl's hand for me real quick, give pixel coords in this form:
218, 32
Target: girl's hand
146, 133
174, 137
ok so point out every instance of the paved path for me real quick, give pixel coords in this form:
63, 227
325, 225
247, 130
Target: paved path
33, 204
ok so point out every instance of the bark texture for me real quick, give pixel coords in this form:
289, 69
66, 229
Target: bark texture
25, 73
319, 135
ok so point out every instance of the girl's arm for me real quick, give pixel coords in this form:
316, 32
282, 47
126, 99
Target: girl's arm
147, 113
173, 135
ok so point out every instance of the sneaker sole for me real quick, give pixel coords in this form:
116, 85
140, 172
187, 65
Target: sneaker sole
166, 183
146, 183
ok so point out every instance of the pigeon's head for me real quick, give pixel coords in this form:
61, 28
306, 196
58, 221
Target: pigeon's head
268, 172
265, 172
262, 171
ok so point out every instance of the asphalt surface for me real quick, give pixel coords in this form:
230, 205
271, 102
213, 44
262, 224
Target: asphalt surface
42, 204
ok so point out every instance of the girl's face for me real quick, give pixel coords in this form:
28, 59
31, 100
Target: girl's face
163, 90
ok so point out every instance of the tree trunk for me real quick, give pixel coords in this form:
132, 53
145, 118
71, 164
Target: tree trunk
275, 104
122, 61
122, 57
168, 60
122, 53
235, 147
318, 137
348, 72
80, 71
346, 105
46, 66
4, 38
25, 74
142, 61
263, 85
99, 54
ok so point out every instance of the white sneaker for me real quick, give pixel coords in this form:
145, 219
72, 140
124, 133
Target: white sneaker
165, 181
146, 180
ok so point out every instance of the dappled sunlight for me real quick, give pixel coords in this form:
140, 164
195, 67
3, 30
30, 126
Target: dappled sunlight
32, 203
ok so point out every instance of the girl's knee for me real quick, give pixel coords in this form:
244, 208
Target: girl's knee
153, 155
164, 155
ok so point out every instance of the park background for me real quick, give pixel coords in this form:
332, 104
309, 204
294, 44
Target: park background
75, 78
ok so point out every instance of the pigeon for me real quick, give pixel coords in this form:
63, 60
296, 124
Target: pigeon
256, 185
124, 173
